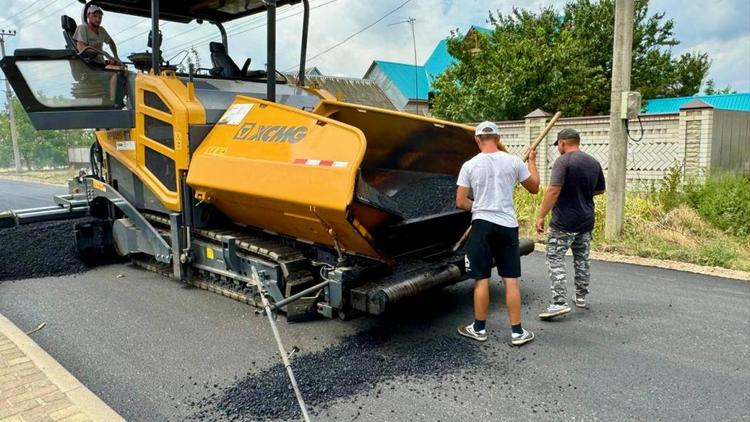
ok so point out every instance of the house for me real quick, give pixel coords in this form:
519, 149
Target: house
736, 102
404, 85
351, 90
408, 86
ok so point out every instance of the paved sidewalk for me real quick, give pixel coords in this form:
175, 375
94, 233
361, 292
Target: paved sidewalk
34, 387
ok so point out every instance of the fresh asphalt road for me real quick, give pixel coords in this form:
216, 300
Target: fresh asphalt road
18, 195
655, 345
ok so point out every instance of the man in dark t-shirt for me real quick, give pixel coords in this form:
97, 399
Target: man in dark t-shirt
576, 178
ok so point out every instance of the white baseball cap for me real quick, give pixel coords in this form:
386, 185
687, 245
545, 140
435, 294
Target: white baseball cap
93, 9
486, 128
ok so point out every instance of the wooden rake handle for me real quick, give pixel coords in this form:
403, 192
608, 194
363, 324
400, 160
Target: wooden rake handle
542, 135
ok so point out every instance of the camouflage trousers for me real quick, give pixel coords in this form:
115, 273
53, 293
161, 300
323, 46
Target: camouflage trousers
558, 243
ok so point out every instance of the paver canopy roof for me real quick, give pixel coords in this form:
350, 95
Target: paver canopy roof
186, 10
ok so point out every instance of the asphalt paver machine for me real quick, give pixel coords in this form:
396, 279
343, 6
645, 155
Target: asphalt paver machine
241, 182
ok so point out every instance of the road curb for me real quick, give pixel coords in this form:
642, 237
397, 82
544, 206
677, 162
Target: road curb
662, 263
82, 397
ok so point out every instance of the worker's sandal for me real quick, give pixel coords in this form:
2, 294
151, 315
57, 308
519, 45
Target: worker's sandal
468, 331
579, 301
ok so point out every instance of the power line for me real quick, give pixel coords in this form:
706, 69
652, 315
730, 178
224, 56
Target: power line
287, 17
278, 20
47, 16
186, 31
10, 18
184, 44
353, 35
34, 19
201, 41
205, 36
161, 25
129, 28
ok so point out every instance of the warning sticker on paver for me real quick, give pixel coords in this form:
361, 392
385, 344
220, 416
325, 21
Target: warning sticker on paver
126, 145
235, 114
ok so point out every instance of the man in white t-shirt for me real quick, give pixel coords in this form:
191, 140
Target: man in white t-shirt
492, 176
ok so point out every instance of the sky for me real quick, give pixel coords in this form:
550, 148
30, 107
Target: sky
719, 27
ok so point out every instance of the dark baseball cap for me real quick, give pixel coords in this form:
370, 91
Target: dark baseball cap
568, 133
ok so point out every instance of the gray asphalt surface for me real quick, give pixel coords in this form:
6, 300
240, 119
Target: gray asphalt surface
18, 195
655, 345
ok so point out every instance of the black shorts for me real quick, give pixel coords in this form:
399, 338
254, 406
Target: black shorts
488, 242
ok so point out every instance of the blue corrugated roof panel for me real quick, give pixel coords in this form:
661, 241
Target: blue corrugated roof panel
439, 60
403, 77
482, 30
738, 102
402, 74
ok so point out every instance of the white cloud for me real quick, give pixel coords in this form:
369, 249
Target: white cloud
730, 61
721, 28
696, 21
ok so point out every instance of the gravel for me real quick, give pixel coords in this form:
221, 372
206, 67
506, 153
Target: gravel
365, 363
39, 250
431, 195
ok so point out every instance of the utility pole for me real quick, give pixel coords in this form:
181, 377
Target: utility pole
11, 112
622, 57
411, 21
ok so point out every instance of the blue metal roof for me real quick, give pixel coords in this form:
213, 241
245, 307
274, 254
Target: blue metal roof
739, 102
439, 60
402, 75
480, 29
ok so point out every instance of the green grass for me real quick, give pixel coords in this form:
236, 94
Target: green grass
724, 200
664, 223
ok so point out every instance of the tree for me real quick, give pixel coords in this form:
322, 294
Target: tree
710, 89
47, 148
560, 61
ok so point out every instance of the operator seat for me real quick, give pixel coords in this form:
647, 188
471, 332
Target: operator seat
69, 28
224, 66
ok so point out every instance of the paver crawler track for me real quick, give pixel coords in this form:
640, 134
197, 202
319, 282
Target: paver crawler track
296, 268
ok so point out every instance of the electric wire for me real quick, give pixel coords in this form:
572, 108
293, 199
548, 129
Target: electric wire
11, 17
205, 40
342, 42
47, 16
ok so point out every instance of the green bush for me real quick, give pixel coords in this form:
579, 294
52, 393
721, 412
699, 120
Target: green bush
723, 200
669, 191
